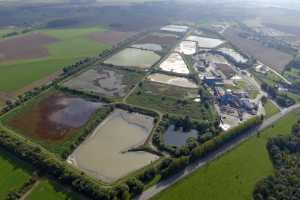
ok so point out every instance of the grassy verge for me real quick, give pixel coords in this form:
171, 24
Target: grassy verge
13, 172
234, 175
270, 109
48, 190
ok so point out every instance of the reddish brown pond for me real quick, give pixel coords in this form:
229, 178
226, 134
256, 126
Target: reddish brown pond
54, 117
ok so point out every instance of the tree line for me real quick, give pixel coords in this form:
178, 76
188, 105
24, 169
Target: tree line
284, 152
282, 99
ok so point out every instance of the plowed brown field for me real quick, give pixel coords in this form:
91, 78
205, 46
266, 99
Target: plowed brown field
29, 46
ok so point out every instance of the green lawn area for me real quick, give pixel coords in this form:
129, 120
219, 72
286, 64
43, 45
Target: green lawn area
13, 173
270, 109
47, 190
73, 45
232, 176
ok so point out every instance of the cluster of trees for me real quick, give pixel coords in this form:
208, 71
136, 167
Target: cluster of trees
281, 98
72, 69
175, 165
285, 155
15, 33
225, 137
209, 137
186, 124
206, 98
23, 98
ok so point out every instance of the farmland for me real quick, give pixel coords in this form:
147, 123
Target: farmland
160, 38
234, 175
269, 56
13, 173
25, 47
106, 81
53, 50
109, 37
55, 119
104, 154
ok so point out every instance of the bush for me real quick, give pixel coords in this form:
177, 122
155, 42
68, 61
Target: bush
175, 166
135, 186
222, 138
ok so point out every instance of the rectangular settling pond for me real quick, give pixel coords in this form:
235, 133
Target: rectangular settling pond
52, 117
131, 57
104, 153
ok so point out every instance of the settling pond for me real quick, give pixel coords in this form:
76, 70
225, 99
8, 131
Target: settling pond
172, 80
104, 155
131, 57
187, 47
54, 117
205, 42
178, 138
174, 63
100, 81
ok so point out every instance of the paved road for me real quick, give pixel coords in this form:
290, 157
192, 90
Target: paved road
191, 168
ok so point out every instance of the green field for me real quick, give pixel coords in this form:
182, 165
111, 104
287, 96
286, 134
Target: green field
234, 175
13, 173
15, 76
48, 190
73, 46
270, 109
